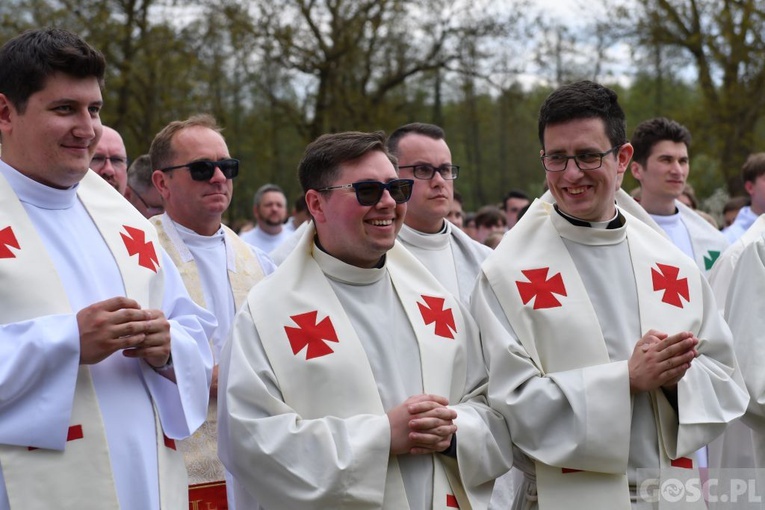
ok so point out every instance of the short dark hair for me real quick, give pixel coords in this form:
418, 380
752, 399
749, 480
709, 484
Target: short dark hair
322, 158
29, 59
490, 216
652, 131
584, 100
753, 167
513, 193
418, 128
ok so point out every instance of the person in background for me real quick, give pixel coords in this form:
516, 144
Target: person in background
299, 214
753, 173
140, 190
512, 203
731, 209
424, 156
110, 160
455, 215
269, 207
661, 164
488, 220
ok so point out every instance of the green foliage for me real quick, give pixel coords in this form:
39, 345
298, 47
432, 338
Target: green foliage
277, 73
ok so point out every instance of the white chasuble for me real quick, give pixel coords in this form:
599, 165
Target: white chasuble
545, 301
80, 475
323, 369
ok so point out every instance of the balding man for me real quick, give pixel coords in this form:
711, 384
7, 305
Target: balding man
110, 160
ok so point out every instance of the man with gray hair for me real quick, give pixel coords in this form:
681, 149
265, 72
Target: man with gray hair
269, 207
140, 190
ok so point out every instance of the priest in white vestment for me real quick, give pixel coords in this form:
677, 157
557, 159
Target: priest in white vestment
743, 313
217, 267
104, 360
353, 378
753, 174
606, 353
448, 253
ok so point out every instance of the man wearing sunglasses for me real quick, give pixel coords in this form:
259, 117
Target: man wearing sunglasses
194, 174
104, 360
607, 355
352, 377
450, 254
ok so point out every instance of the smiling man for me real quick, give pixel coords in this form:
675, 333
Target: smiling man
661, 165
194, 173
104, 359
350, 369
597, 331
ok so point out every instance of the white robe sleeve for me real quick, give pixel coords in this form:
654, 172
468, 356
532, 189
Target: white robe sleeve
712, 392
484, 447
39, 360
747, 321
182, 405
281, 460
578, 419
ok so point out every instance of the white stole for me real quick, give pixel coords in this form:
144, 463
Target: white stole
200, 451
344, 378
80, 476
545, 333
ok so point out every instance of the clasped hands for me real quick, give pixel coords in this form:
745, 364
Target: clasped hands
660, 360
121, 324
421, 425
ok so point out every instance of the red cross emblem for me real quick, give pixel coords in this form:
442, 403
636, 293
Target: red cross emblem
666, 279
540, 287
451, 501
8, 238
312, 334
135, 242
433, 311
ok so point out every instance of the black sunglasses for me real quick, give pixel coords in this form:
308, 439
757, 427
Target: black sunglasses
204, 170
370, 192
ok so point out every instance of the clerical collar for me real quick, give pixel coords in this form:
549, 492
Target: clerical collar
617, 221
436, 241
341, 271
196, 240
37, 194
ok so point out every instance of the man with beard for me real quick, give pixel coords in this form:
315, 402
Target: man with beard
110, 160
270, 211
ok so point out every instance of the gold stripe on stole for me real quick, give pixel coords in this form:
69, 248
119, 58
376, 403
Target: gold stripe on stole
200, 451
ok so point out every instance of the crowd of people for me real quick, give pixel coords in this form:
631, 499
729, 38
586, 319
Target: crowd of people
374, 346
